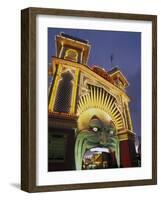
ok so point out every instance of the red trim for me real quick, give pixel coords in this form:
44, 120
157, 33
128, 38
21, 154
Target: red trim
125, 157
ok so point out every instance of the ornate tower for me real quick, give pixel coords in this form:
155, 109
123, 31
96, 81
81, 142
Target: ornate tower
78, 92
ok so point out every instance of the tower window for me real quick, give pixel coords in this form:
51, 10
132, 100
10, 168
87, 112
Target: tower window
72, 55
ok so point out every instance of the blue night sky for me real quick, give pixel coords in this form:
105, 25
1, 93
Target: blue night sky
126, 50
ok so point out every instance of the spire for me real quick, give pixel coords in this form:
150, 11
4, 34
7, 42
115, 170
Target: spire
111, 60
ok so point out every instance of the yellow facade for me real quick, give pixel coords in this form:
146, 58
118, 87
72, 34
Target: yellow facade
90, 90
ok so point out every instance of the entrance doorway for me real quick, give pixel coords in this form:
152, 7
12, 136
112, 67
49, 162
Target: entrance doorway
99, 158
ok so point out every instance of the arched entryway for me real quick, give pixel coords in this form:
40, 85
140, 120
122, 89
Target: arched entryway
99, 119
96, 137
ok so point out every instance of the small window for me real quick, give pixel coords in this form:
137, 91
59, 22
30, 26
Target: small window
56, 148
71, 54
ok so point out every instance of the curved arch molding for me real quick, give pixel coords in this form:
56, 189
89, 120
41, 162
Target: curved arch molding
99, 98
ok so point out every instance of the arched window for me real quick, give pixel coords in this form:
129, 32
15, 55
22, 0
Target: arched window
64, 93
71, 54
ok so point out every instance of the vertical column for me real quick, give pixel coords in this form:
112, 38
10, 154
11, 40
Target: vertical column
81, 59
74, 92
127, 150
129, 122
125, 160
61, 50
54, 89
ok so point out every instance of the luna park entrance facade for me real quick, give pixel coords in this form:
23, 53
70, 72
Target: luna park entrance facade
89, 122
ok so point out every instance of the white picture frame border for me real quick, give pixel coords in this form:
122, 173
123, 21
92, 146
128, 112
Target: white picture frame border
43, 177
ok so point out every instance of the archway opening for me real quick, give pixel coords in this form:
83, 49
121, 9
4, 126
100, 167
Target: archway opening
99, 158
